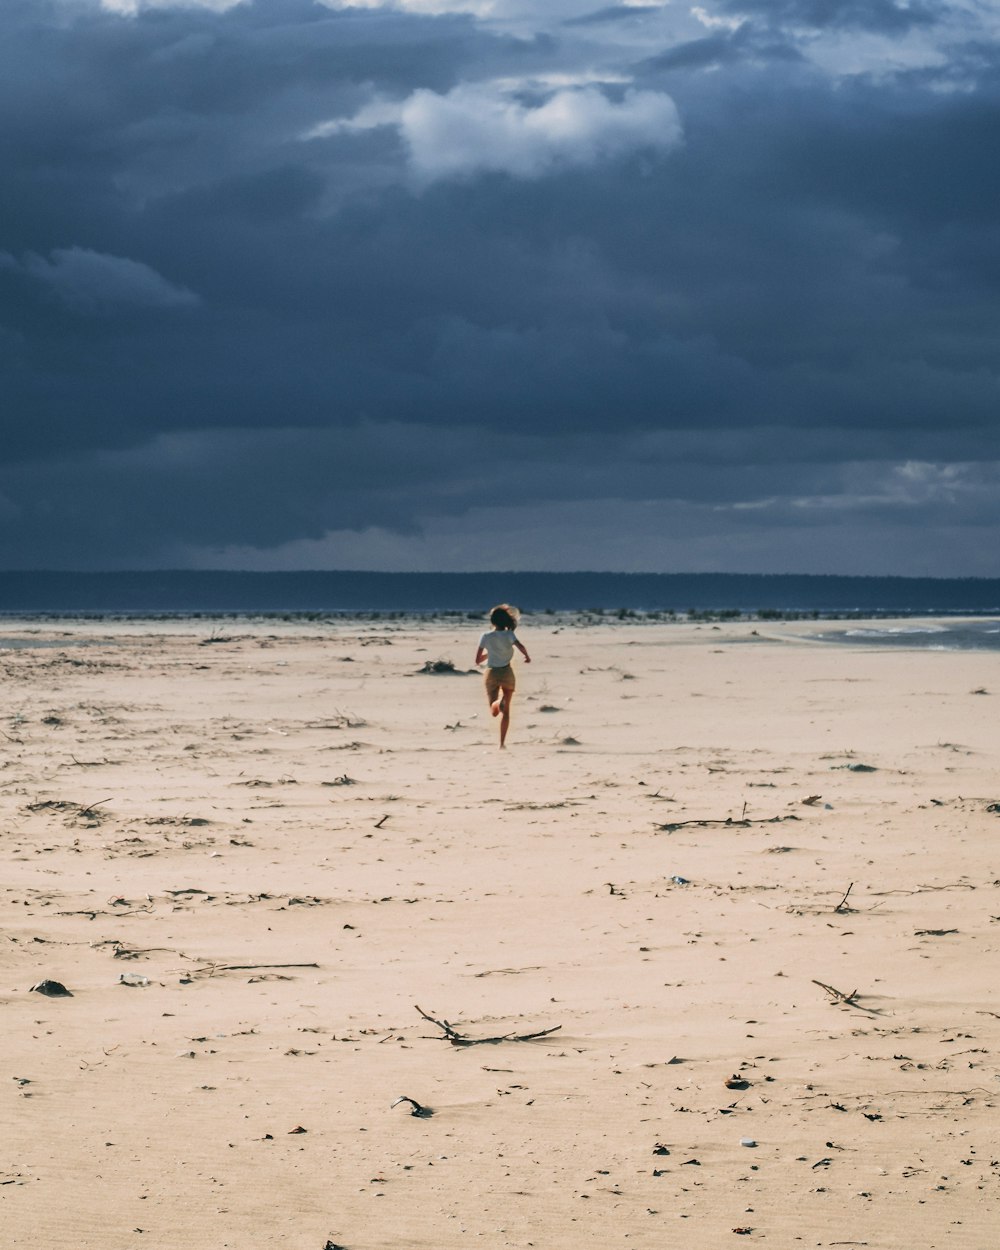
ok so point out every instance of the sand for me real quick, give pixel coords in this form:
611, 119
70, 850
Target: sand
291, 838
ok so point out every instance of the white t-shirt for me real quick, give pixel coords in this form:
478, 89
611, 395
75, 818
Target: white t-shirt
499, 647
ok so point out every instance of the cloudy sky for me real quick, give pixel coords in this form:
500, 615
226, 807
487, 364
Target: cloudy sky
515, 284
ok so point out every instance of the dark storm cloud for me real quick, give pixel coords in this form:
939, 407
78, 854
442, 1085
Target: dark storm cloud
884, 16
745, 44
267, 487
96, 285
722, 48
613, 13
291, 269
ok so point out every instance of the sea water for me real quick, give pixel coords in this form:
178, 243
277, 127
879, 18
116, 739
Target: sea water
940, 635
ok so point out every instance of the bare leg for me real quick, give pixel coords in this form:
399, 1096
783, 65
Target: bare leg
506, 696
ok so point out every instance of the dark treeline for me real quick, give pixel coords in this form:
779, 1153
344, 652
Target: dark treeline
220, 591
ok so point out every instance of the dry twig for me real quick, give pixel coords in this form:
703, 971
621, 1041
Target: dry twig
460, 1039
211, 969
839, 996
842, 905
416, 1108
741, 823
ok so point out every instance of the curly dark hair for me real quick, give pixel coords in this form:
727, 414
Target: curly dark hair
504, 616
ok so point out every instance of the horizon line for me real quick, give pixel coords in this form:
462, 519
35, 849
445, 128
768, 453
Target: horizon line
215, 572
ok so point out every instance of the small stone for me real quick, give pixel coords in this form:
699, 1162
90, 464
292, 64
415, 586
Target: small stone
52, 989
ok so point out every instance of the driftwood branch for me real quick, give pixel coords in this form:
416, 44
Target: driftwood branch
921, 889
842, 905
728, 821
460, 1039
213, 968
89, 810
839, 996
416, 1108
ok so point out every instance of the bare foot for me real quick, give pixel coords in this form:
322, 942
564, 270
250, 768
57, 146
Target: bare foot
496, 708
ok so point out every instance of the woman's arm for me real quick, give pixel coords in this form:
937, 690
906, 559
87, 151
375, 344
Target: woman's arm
527, 657
480, 655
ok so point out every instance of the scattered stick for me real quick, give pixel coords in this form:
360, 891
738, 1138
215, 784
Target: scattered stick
120, 951
838, 995
841, 906
89, 811
249, 967
416, 1108
380, 823
741, 823
460, 1039
922, 889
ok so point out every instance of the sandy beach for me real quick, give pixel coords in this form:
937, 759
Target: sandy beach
746, 883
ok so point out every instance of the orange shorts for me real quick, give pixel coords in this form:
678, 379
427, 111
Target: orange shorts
497, 678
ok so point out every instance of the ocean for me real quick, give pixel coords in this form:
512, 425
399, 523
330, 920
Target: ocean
940, 635
226, 591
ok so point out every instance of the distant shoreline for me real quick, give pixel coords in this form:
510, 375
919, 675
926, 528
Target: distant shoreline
568, 617
864, 631
661, 596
